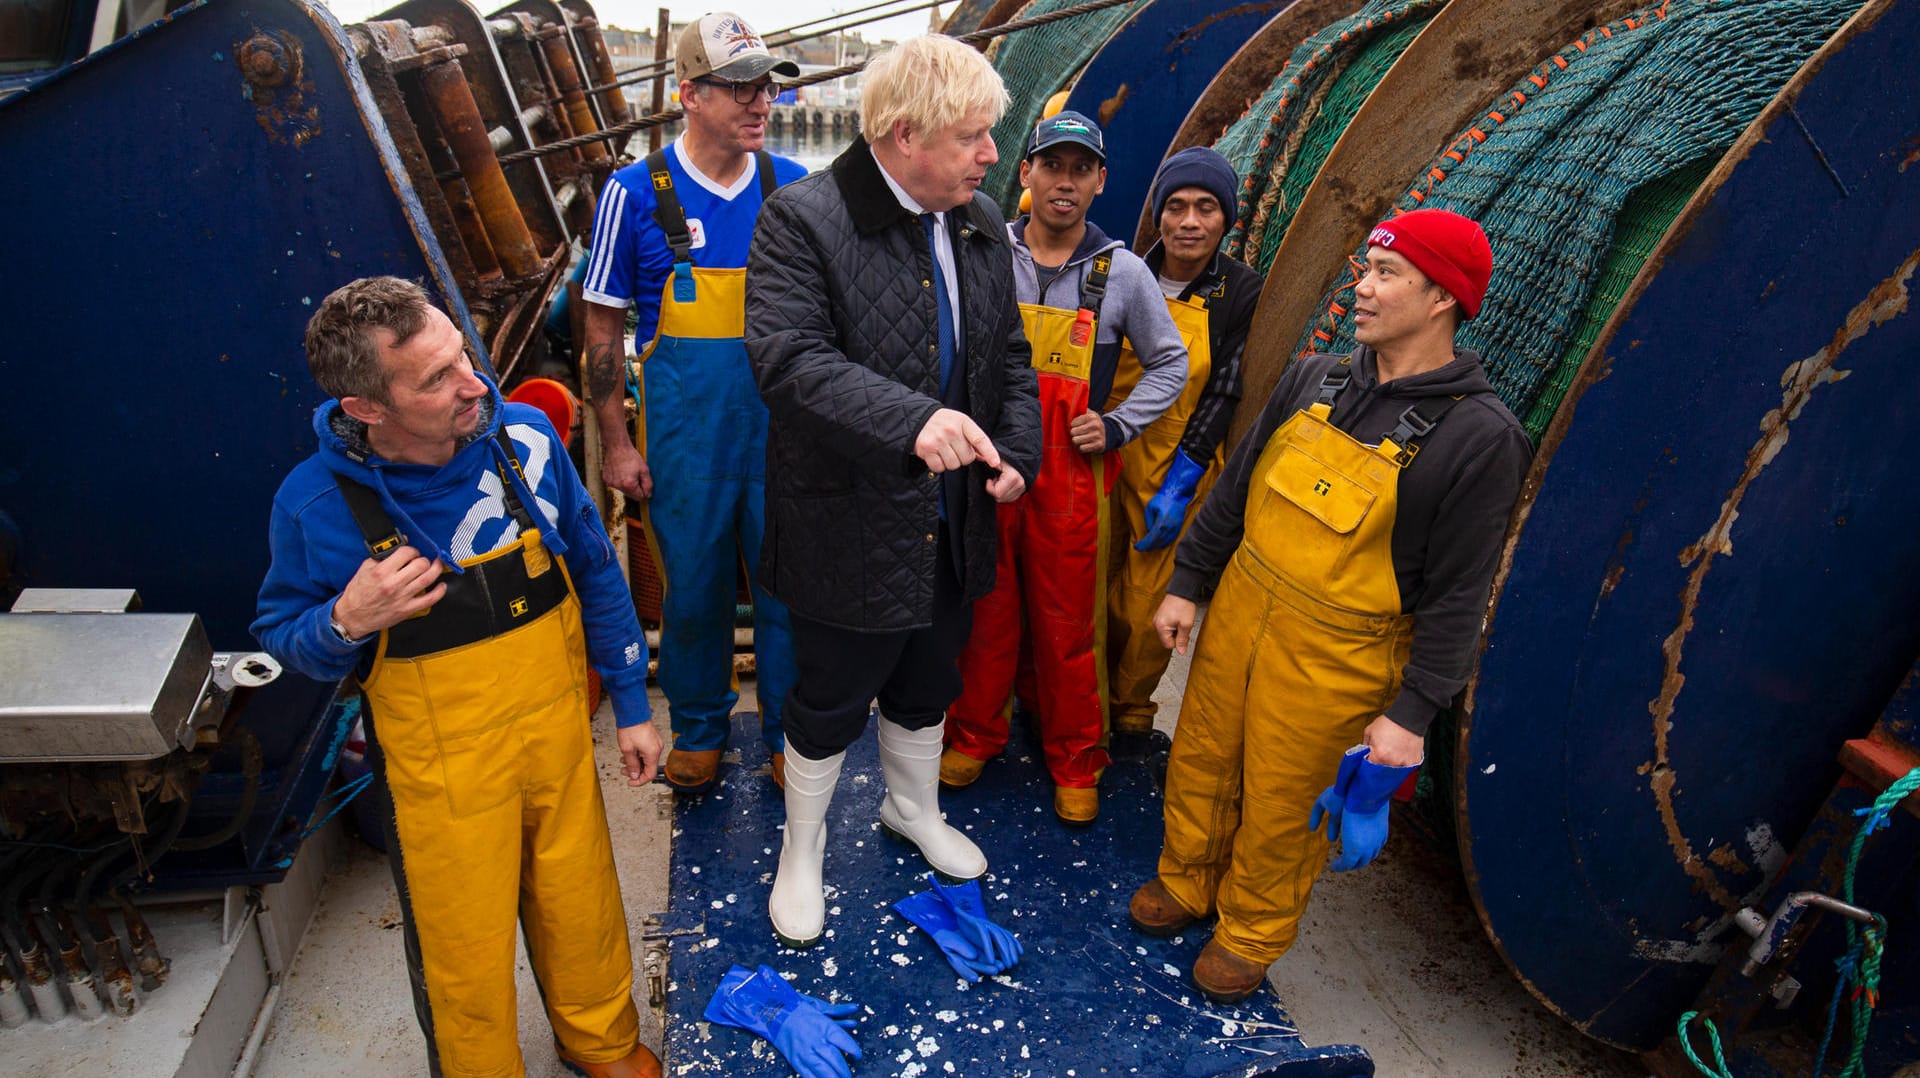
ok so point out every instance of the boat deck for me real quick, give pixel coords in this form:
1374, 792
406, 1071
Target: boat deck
1391, 959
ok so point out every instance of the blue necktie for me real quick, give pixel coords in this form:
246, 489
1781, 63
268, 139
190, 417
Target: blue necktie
940, 302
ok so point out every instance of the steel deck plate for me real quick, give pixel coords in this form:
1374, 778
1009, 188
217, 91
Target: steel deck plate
1091, 995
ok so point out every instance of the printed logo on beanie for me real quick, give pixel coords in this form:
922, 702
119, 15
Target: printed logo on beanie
1381, 237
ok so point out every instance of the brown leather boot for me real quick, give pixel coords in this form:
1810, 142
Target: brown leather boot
958, 770
1225, 977
692, 771
780, 770
1155, 912
641, 1064
1077, 806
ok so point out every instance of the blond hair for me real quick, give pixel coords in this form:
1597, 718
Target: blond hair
932, 83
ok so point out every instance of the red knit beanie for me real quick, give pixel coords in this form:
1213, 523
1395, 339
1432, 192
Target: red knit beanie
1450, 249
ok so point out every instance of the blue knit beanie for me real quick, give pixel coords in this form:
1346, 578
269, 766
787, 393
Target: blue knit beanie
1196, 166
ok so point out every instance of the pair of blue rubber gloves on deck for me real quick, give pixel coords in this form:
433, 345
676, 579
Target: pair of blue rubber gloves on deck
1355, 807
810, 1033
956, 918
1167, 509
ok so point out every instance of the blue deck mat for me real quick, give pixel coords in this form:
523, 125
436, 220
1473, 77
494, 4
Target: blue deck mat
1090, 997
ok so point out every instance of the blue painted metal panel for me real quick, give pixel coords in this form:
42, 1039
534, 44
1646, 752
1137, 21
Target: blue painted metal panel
1715, 584
1090, 996
1143, 82
170, 227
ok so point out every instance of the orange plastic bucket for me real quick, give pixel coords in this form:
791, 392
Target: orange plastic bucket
556, 400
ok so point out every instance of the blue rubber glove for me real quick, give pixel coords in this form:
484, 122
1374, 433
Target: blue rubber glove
938, 920
1363, 820
1333, 799
813, 1044
970, 911
1167, 510
841, 1013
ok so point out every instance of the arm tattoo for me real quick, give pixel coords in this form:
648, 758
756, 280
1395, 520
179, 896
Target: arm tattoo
604, 380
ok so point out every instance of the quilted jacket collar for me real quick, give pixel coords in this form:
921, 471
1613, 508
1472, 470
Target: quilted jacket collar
871, 203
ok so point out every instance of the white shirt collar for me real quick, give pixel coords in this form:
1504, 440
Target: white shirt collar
747, 175
900, 192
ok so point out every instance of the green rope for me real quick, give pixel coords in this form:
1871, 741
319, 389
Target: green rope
1719, 1070
1547, 169
1290, 178
1263, 139
1645, 217
1861, 964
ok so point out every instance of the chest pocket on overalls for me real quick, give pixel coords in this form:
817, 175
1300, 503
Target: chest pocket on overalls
1321, 488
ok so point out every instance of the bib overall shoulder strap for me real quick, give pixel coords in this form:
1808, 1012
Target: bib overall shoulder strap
763, 165
1416, 423
376, 526
666, 210
1093, 291
507, 493
1337, 378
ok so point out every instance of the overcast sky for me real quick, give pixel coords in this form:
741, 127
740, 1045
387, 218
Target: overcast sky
766, 16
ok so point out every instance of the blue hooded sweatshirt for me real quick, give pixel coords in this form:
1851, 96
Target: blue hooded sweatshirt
453, 512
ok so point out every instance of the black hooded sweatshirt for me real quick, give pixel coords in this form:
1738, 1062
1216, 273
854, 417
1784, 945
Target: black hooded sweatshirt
1453, 505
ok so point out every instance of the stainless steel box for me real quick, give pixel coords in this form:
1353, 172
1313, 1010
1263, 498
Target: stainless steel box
99, 686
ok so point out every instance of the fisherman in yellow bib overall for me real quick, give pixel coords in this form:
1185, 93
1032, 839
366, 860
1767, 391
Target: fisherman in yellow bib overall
440, 549
1353, 537
1166, 472
1090, 310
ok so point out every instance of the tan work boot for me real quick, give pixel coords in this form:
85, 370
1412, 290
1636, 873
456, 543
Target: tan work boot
780, 770
692, 771
1155, 912
1077, 806
958, 770
641, 1064
1225, 977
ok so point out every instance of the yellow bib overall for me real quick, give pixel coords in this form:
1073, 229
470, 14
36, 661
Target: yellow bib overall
1051, 582
1135, 657
1303, 646
479, 712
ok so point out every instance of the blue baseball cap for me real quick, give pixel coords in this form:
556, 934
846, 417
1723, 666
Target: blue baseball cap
1067, 127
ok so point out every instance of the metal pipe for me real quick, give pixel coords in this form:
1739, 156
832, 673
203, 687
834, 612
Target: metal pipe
13, 1005
252, 763
533, 116
473, 229
152, 964
613, 103
567, 76
501, 138
466, 133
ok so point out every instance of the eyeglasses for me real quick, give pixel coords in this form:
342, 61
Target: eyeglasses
744, 93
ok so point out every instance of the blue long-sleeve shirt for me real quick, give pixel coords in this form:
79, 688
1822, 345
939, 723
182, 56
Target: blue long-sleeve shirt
454, 512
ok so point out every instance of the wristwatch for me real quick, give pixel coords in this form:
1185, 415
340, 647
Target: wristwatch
341, 631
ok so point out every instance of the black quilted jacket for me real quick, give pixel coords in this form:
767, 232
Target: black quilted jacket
841, 332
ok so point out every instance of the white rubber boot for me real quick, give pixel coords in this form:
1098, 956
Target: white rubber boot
798, 903
910, 761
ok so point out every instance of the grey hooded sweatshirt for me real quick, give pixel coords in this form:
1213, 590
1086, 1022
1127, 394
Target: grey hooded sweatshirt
1134, 308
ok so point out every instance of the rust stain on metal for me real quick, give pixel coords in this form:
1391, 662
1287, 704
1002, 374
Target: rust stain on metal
1198, 28
273, 69
1112, 104
1883, 302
